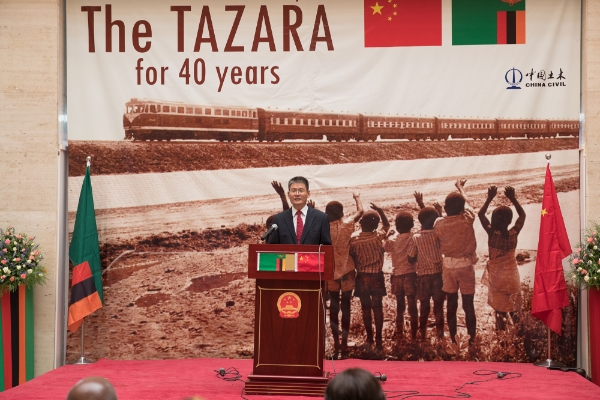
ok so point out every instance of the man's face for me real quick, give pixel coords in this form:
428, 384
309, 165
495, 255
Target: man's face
298, 195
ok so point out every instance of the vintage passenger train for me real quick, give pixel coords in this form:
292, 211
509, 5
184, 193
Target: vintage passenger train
160, 120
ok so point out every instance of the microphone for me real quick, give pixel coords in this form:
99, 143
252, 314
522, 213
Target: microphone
501, 375
380, 376
267, 233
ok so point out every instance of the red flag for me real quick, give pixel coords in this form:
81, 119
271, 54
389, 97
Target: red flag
311, 262
403, 23
549, 287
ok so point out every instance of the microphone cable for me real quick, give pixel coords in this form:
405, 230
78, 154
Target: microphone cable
493, 375
324, 306
230, 374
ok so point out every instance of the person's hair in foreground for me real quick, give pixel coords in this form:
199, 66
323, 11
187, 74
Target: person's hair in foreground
92, 388
354, 384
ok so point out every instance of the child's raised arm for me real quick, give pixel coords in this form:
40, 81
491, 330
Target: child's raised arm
438, 208
281, 192
510, 194
485, 222
359, 207
460, 185
384, 220
419, 199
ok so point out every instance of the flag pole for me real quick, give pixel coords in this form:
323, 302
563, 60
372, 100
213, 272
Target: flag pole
82, 360
549, 362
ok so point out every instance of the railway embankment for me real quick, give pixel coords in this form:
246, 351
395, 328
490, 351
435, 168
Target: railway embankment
125, 157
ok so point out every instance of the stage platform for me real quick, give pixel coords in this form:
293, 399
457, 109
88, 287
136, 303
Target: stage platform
179, 379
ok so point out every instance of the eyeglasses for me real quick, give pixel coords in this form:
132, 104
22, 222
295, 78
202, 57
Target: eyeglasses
297, 191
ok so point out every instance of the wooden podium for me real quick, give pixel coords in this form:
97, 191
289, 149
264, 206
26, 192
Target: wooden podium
289, 324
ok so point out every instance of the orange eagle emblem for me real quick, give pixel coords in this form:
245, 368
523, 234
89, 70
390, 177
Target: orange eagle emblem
289, 305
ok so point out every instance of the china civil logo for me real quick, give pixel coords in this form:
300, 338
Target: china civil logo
513, 77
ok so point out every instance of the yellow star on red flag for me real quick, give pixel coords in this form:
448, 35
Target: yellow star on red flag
544, 212
376, 8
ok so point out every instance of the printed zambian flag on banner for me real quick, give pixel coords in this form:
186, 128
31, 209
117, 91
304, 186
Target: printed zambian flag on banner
403, 23
16, 344
488, 22
276, 262
84, 252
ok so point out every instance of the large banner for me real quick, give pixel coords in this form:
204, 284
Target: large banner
196, 115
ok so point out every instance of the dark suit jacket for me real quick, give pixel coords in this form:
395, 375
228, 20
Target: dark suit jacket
316, 228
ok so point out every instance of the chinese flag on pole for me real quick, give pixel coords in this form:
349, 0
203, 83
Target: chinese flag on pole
549, 287
399, 23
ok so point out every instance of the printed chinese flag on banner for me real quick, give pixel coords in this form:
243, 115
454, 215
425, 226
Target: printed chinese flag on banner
310, 262
395, 23
549, 287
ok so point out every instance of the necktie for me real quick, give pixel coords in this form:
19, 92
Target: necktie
299, 226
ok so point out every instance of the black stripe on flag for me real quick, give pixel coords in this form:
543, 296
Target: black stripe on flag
511, 27
82, 289
14, 333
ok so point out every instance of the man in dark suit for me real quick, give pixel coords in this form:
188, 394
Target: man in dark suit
300, 224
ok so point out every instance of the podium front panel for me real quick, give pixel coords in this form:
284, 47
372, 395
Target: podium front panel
289, 328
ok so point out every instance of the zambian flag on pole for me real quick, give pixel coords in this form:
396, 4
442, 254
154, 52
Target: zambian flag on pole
487, 22
84, 252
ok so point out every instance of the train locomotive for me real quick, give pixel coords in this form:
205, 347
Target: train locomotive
148, 120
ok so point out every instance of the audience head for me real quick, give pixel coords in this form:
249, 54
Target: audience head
334, 210
354, 384
455, 204
369, 221
404, 222
427, 217
92, 388
501, 218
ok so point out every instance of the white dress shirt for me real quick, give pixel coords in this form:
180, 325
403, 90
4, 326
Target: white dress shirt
304, 210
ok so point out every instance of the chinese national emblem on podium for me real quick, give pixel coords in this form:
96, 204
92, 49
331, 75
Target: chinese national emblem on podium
289, 305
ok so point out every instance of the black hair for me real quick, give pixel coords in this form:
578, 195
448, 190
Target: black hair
501, 218
455, 204
369, 221
354, 384
404, 222
298, 179
427, 217
334, 210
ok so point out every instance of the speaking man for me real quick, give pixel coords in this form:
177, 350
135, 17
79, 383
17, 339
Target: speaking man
300, 224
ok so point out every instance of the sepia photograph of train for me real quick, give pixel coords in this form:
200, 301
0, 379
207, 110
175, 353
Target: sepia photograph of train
146, 120
187, 170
